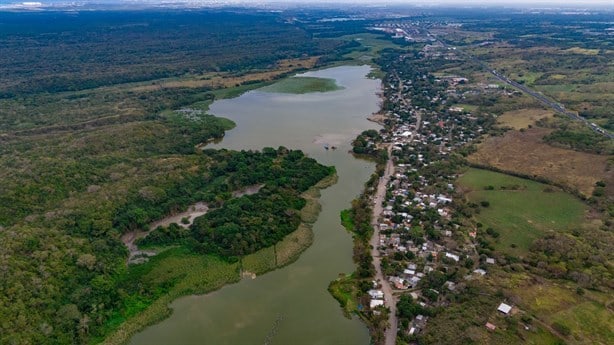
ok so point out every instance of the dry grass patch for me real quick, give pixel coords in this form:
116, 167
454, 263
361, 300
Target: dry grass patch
583, 51
526, 153
522, 118
225, 80
289, 249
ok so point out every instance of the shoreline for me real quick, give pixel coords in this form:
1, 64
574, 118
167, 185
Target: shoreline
249, 267
160, 309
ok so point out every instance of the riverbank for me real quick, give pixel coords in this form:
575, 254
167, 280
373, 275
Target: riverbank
245, 312
207, 273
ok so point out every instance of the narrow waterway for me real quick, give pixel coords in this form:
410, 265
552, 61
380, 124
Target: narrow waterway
290, 305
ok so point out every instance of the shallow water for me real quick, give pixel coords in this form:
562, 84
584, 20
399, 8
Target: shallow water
290, 305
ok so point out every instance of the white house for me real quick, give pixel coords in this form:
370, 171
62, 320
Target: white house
504, 308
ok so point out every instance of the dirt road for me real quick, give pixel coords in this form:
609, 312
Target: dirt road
391, 331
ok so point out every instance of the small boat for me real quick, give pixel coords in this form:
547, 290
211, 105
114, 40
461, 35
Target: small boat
333, 147
326, 146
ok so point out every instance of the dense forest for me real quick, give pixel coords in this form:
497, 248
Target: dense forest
85, 158
69, 265
64, 51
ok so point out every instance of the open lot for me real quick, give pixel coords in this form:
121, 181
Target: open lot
520, 210
523, 118
526, 153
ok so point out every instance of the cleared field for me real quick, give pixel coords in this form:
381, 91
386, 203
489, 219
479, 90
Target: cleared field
520, 210
300, 85
522, 118
526, 153
589, 321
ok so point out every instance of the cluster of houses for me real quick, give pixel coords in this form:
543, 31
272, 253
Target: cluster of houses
416, 225
407, 31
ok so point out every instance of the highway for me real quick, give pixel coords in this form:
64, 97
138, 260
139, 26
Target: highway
557, 107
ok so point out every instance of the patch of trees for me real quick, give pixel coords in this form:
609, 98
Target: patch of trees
366, 142
581, 140
249, 223
238, 226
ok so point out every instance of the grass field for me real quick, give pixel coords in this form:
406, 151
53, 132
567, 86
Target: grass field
370, 47
522, 118
300, 85
586, 317
523, 214
525, 152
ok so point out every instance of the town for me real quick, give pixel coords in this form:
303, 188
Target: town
423, 242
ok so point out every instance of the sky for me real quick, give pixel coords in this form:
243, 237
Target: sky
528, 3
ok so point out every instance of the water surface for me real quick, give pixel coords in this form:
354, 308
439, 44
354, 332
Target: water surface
290, 305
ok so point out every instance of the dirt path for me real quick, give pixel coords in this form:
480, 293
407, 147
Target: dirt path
136, 255
194, 211
389, 299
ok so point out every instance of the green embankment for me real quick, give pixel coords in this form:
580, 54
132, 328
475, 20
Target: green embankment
520, 210
301, 85
179, 272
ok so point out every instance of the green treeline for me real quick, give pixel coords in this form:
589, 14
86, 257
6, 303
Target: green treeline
242, 225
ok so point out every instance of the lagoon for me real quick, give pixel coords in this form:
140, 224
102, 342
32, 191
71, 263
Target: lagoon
289, 305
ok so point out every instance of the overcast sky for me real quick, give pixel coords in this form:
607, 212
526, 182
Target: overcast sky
527, 3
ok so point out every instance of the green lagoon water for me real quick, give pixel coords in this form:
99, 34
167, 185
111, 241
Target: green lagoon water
290, 305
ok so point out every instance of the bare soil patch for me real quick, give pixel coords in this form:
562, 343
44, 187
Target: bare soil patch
526, 153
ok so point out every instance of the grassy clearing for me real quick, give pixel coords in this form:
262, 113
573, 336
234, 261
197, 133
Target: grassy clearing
520, 210
344, 290
522, 118
468, 107
346, 220
588, 320
586, 317
370, 47
226, 80
301, 85
525, 152
583, 51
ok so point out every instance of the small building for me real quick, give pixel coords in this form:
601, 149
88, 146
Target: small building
490, 326
504, 308
490, 261
453, 256
376, 294
480, 272
376, 303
